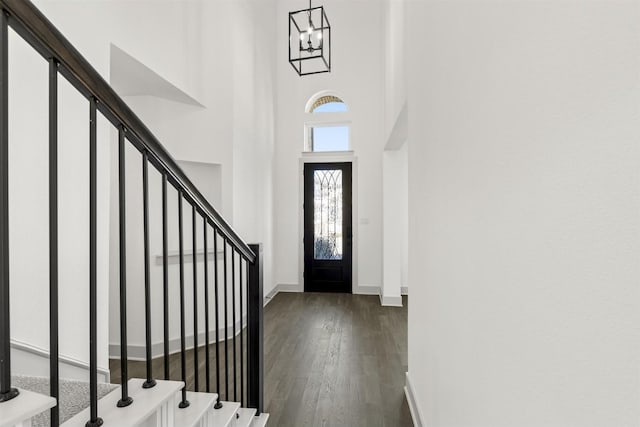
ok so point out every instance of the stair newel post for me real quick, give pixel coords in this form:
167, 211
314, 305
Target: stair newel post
216, 306
54, 369
183, 362
93, 265
207, 368
6, 391
255, 325
194, 258
126, 400
150, 382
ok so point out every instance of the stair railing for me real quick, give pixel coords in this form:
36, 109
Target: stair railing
64, 60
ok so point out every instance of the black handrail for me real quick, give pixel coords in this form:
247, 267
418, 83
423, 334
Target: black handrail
34, 27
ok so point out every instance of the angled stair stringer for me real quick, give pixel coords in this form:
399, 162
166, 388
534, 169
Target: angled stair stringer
19, 410
151, 407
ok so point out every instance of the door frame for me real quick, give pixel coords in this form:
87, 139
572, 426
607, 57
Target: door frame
329, 157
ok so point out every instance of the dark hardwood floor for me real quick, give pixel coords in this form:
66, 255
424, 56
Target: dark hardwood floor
335, 360
330, 360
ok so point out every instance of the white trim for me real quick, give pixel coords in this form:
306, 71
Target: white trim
411, 401
390, 301
366, 290
289, 288
292, 288
313, 98
321, 124
173, 256
137, 352
64, 360
404, 290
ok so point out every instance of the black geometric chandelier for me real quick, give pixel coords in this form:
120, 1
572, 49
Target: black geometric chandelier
310, 41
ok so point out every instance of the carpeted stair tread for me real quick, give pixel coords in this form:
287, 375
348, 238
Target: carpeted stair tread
74, 396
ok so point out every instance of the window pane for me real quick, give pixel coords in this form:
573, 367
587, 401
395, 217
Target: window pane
331, 107
330, 138
327, 206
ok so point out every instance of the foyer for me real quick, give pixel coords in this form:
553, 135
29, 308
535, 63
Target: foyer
158, 170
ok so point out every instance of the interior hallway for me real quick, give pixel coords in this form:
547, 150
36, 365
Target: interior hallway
335, 360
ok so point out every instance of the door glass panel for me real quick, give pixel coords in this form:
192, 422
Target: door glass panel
327, 215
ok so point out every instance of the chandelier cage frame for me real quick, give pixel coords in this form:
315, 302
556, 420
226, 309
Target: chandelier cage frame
305, 49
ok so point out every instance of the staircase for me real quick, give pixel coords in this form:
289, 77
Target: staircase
232, 391
157, 406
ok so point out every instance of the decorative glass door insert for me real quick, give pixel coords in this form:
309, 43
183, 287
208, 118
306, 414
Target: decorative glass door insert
328, 214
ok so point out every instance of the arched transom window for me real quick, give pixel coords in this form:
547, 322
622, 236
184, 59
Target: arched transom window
328, 132
328, 104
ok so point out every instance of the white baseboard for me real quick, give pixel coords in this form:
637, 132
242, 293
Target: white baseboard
390, 301
138, 351
404, 290
411, 401
366, 290
33, 361
294, 287
281, 288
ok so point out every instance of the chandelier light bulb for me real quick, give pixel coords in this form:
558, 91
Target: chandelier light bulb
319, 35
302, 36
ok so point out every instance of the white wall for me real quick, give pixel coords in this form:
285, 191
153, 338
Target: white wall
394, 65
29, 207
395, 216
357, 76
524, 212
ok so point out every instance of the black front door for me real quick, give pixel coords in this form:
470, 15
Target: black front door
327, 227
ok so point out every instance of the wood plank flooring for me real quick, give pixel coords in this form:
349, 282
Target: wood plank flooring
334, 360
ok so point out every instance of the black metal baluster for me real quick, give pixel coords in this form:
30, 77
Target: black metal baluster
206, 307
241, 336
194, 258
226, 324
165, 276
95, 421
54, 370
215, 289
183, 362
6, 391
233, 326
122, 208
150, 382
